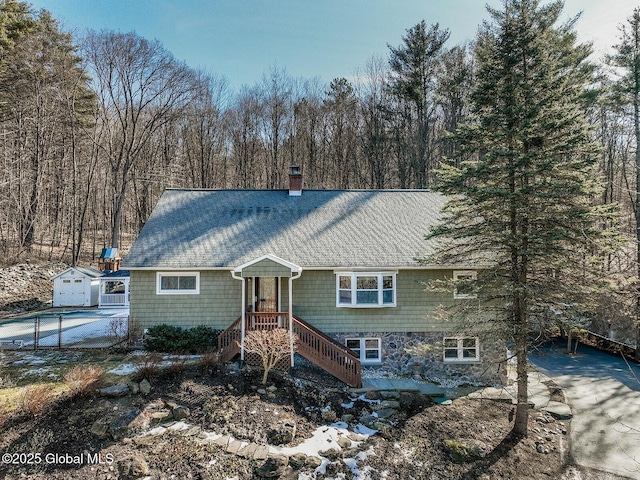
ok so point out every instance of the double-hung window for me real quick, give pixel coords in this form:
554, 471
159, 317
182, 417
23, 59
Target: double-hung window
178, 283
368, 350
366, 289
464, 284
461, 349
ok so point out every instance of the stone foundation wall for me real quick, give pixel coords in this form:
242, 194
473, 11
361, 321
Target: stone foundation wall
420, 355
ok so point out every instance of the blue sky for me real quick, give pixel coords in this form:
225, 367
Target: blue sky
242, 39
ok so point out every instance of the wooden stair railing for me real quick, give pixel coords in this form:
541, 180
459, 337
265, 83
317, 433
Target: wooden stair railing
313, 344
228, 341
328, 354
267, 320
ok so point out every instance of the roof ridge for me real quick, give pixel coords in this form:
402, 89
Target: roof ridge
390, 190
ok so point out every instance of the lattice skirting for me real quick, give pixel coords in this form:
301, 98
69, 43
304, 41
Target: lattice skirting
255, 360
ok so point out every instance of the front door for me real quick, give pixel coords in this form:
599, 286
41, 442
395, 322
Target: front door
266, 298
263, 299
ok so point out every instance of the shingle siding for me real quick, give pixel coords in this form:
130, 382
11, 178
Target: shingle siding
217, 305
314, 300
266, 268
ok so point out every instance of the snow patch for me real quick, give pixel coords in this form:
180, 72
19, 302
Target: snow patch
179, 426
367, 400
40, 372
123, 369
362, 430
157, 431
323, 438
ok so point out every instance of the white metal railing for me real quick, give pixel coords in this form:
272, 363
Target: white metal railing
113, 299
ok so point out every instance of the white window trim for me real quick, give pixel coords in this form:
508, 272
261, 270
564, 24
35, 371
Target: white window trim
363, 355
460, 350
354, 289
160, 291
456, 277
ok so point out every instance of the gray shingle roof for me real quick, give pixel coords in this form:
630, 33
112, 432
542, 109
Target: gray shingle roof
321, 228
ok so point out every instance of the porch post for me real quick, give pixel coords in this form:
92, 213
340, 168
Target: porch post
291, 279
243, 313
291, 318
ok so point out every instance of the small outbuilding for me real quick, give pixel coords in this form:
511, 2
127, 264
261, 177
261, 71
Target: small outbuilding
76, 287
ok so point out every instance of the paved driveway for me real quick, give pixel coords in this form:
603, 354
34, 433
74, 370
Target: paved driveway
604, 394
90, 328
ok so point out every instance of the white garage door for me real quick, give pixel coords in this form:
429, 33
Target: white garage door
71, 292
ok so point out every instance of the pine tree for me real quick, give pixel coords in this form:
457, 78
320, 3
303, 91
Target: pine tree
521, 197
44, 98
627, 59
414, 66
15, 21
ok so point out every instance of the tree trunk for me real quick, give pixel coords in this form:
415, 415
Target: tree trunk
636, 125
522, 407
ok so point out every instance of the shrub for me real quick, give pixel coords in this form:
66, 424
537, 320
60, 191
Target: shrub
172, 339
83, 379
209, 361
118, 329
178, 365
148, 366
34, 399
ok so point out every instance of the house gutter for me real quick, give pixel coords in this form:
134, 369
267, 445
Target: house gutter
352, 268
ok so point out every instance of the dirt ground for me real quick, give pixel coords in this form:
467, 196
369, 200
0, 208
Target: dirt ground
27, 286
464, 440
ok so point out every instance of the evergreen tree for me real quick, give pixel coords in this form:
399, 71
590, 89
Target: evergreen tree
44, 97
627, 59
414, 65
520, 203
15, 20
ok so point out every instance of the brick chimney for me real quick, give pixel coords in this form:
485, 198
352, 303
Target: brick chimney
295, 181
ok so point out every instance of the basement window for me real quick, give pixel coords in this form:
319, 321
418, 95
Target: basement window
461, 349
178, 283
368, 350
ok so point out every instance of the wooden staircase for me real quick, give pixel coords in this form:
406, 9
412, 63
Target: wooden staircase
328, 354
228, 341
313, 344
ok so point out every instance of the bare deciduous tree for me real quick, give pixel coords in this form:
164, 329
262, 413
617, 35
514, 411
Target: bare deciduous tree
271, 346
203, 134
276, 123
141, 88
244, 128
374, 134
